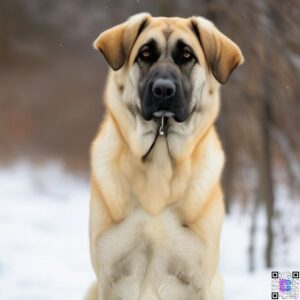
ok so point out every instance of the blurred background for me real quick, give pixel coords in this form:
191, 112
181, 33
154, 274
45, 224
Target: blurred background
51, 83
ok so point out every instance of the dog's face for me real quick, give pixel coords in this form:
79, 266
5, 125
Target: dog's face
168, 66
166, 59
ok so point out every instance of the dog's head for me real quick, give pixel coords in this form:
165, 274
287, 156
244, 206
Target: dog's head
168, 66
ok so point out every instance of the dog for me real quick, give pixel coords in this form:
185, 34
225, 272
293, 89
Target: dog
156, 208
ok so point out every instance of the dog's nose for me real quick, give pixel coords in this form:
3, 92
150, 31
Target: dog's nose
163, 89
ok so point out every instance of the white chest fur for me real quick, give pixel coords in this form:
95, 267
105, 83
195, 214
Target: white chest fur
147, 257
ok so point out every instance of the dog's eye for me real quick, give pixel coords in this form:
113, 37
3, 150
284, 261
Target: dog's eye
146, 55
186, 55
183, 54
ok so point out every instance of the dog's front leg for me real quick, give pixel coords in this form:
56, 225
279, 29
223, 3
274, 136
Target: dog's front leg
208, 228
119, 258
100, 220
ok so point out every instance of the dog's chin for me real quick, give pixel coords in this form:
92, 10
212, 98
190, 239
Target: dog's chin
166, 124
178, 116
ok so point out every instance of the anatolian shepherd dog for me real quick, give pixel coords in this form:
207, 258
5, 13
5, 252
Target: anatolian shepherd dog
157, 208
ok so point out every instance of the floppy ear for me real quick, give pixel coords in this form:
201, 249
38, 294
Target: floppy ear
116, 43
221, 53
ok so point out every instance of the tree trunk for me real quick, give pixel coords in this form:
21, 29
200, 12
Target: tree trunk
253, 228
4, 37
266, 180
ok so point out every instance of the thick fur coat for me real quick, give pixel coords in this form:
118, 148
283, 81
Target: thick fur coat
155, 224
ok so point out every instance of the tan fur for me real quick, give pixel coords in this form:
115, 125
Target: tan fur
221, 53
155, 225
117, 42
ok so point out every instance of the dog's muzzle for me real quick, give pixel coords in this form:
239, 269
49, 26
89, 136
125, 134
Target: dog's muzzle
162, 95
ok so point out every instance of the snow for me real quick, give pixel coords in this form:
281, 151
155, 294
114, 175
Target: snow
44, 250
239, 284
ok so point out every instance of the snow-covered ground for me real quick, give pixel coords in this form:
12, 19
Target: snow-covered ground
44, 240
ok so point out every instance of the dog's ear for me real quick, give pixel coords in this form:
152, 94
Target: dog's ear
116, 43
221, 53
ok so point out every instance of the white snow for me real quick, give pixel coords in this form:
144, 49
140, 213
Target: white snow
44, 251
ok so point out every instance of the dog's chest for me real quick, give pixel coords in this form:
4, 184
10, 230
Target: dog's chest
158, 183
150, 254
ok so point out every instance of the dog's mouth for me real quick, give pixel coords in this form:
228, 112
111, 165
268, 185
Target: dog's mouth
164, 113
161, 117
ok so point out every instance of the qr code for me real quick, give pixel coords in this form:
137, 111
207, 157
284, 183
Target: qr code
285, 285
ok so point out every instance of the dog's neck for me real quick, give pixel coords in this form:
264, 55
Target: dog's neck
160, 181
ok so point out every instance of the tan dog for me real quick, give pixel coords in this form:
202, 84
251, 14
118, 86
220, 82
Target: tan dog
157, 209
